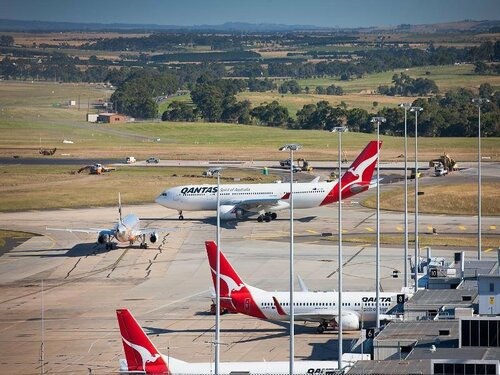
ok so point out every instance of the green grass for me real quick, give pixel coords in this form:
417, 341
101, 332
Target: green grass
446, 77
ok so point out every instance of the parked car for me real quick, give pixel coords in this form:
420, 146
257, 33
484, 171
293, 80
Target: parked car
152, 160
130, 160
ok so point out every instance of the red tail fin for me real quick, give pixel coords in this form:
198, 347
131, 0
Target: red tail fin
359, 175
140, 352
230, 281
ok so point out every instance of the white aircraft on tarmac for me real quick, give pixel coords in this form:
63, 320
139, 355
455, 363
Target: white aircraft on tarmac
142, 357
243, 200
127, 229
320, 307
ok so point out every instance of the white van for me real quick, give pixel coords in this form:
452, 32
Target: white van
130, 160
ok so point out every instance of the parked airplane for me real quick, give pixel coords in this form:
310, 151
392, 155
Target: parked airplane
143, 357
243, 200
321, 307
126, 230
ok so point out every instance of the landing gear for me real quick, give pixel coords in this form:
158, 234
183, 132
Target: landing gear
110, 245
322, 327
267, 217
143, 245
181, 217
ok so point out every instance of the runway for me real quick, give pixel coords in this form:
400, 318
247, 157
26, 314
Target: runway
167, 285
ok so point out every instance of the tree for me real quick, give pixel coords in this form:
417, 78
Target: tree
271, 114
208, 100
6, 40
485, 90
179, 111
320, 90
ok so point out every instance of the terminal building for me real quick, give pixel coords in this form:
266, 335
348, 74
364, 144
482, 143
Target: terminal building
451, 327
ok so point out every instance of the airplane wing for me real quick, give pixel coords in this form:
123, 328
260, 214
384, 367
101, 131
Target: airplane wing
109, 232
322, 316
141, 231
256, 205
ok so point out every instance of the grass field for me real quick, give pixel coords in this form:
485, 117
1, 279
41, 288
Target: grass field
451, 199
446, 77
181, 98
45, 187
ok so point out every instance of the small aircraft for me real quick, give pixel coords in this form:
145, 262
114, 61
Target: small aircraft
126, 230
141, 356
320, 307
243, 200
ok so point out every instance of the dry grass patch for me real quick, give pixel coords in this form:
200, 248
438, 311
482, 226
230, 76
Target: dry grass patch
450, 199
47, 187
423, 239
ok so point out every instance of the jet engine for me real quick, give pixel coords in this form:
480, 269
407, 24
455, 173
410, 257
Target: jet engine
102, 238
350, 321
153, 237
230, 212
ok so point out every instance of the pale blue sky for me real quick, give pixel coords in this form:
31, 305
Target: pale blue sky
329, 13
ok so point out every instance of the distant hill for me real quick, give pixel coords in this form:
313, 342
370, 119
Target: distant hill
19, 25
235, 27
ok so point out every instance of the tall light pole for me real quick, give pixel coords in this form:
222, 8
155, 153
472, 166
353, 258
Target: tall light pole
406, 107
217, 278
478, 102
378, 121
340, 130
291, 147
416, 110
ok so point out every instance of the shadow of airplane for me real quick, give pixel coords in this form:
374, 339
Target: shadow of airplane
79, 250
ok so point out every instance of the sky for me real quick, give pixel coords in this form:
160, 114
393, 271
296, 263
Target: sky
326, 13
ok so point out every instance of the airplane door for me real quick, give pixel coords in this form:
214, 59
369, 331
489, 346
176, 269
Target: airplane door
247, 304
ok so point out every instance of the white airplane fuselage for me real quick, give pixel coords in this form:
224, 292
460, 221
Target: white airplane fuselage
204, 197
311, 303
127, 229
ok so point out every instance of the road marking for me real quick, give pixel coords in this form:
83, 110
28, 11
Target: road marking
399, 229
311, 231
345, 231
493, 227
369, 229
53, 241
176, 301
430, 227
462, 227
488, 250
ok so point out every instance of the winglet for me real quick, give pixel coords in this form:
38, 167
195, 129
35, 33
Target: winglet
140, 352
279, 309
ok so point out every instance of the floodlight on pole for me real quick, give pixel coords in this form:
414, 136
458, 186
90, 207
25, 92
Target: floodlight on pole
217, 277
378, 120
416, 110
339, 130
291, 148
406, 107
478, 102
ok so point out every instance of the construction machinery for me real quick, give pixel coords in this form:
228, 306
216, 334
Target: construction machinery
47, 151
96, 169
443, 165
302, 165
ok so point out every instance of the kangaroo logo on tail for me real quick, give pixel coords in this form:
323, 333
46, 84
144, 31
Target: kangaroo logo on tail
143, 352
358, 171
231, 284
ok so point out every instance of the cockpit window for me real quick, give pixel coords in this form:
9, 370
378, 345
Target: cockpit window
164, 194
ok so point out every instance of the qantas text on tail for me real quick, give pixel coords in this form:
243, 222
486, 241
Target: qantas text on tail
242, 200
320, 307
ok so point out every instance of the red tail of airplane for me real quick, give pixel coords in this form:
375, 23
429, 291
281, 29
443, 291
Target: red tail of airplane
140, 352
358, 177
235, 294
